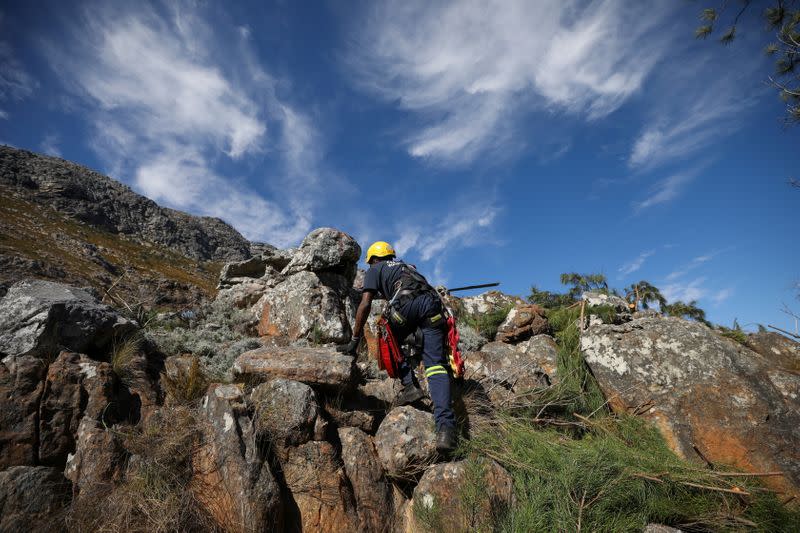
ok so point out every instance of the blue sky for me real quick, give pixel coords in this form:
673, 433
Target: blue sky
489, 141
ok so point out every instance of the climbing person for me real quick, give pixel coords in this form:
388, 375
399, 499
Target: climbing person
412, 304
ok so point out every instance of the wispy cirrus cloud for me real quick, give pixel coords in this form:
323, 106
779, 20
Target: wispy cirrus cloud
685, 291
15, 82
49, 145
664, 191
169, 96
467, 70
694, 263
635, 264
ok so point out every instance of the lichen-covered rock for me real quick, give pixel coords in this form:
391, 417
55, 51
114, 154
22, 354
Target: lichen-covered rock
373, 492
307, 305
406, 442
509, 371
489, 301
544, 350
231, 481
40, 318
33, 498
461, 496
349, 414
284, 411
523, 322
595, 298
317, 484
98, 461
779, 350
701, 389
314, 366
21, 386
326, 250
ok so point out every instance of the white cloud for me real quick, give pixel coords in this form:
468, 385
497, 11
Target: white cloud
636, 264
693, 264
3, 115
469, 68
168, 98
664, 191
685, 291
15, 82
722, 295
461, 228
49, 145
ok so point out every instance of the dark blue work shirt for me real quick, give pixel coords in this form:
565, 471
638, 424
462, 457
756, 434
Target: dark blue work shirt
383, 278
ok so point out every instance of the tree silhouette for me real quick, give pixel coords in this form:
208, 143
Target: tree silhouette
686, 310
644, 293
580, 283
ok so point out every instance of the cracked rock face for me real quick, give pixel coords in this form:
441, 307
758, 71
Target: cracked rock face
321, 367
326, 250
774, 347
523, 322
40, 318
33, 498
701, 389
21, 386
232, 481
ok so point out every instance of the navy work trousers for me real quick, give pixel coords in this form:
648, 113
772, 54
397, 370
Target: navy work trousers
437, 367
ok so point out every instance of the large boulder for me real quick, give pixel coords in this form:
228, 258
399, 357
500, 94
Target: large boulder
307, 305
284, 411
406, 442
314, 366
703, 390
461, 496
40, 318
489, 301
322, 495
21, 386
523, 322
231, 480
33, 498
596, 299
373, 492
779, 350
326, 250
508, 372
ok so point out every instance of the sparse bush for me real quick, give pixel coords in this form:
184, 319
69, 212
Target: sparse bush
549, 299
187, 386
469, 339
486, 324
155, 494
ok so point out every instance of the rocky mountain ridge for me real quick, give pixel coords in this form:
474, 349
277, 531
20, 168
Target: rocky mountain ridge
109, 205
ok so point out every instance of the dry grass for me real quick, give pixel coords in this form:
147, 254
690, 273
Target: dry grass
155, 495
188, 386
124, 353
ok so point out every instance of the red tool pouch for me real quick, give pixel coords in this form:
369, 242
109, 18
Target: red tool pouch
389, 355
456, 361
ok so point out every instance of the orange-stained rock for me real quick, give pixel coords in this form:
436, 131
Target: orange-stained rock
703, 390
523, 322
321, 492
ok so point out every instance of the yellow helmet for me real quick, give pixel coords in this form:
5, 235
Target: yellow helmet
379, 249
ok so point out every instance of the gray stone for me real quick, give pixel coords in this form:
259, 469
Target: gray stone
314, 366
440, 491
373, 492
306, 305
779, 350
701, 389
406, 442
507, 372
41, 318
33, 498
660, 528
595, 298
326, 250
284, 411
231, 481
523, 322
489, 301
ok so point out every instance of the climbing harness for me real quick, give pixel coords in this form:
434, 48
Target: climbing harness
389, 354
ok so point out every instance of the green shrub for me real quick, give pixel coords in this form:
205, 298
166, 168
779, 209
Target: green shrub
486, 324
619, 476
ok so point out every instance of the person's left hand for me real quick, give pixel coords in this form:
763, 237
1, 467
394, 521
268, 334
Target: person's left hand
351, 347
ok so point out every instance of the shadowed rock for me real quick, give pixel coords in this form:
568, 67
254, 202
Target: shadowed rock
774, 347
284, 411
41, 317
523, 322
21, 386
373, 492
33, 498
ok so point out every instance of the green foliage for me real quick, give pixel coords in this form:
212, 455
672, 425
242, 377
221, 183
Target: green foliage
549, 299
782, 18
486, 324
580, 283
735, 333
619, 475
686, 310
644, 293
